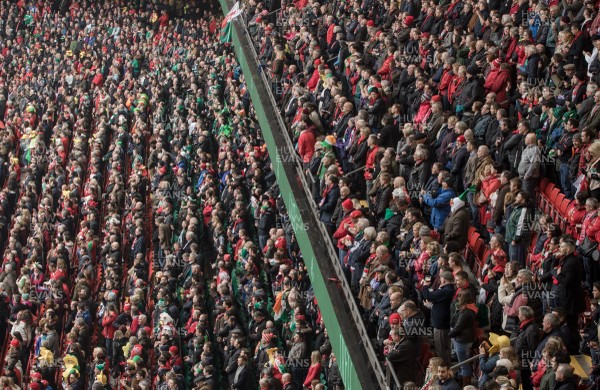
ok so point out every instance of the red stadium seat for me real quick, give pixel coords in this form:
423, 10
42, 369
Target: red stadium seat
472, 230
554, 194
549, 189
472, 238
558, 201
486, 253
545, 197
478, 249
564, 208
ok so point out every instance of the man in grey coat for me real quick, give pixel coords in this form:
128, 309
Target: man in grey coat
529, 166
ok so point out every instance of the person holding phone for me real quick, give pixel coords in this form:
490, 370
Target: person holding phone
440, 300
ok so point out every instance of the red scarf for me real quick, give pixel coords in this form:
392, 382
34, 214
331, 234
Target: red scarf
459, 290
525, 323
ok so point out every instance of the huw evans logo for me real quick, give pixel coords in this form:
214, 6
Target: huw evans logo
417, 328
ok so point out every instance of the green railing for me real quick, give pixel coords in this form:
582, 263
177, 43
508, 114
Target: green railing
356, 357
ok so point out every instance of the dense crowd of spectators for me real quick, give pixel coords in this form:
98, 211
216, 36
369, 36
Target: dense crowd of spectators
144, 241
421, 120
145, 244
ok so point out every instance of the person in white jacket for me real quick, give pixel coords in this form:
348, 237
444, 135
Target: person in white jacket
593, 58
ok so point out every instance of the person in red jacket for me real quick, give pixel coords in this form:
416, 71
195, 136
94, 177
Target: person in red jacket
386, 68
108, 330
497, 81
576, 214
313, 82
448, 76
457, 83
175, 359
314, 372
306, 144
342, 230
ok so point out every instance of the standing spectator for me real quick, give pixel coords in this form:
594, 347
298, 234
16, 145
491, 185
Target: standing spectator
564, 150
513, 296
440, 202
297, 357
518, 228
567, 276
565, 379
592, 170
440, 300
306, 143
463, 334
455, 226
401, 352
529, 166
526, 342
108, 329
590, 227
314, 370
242, 377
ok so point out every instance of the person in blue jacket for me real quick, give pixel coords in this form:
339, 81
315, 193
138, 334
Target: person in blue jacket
440, 202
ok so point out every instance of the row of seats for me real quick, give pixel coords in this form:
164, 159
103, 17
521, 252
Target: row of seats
550, 201
553, 202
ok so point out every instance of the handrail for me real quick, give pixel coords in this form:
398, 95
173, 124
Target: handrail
390, 369
469, 360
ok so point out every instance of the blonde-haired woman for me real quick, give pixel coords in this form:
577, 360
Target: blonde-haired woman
314, 372
592, 170
431, 377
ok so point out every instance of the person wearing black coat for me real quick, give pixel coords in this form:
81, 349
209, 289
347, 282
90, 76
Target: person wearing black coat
139, 244
358, 256
569, 274
526, 342
509, 149
341, 124
334, 377
456, 226
376, 109
532, 65
471, 92
575, 53
232, 364
440, 300
266, 221
242, 378
329, 199
402, 354
459, 162
361, 33
393, 224
565, 378
462, 332
389, 136
383, 196
418, 175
